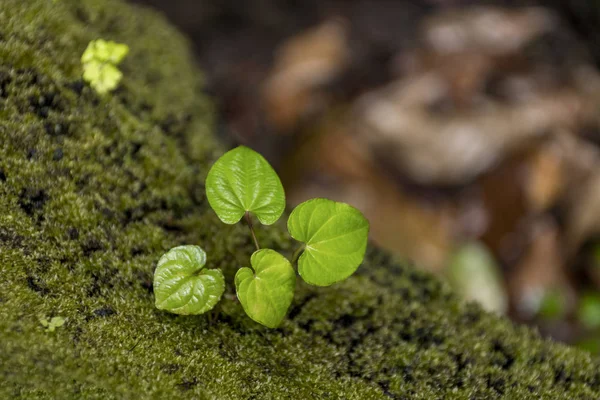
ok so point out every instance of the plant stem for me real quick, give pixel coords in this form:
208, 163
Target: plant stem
296, 254
249, 221
213, 314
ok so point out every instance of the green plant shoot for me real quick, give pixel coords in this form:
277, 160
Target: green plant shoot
243, 181
267, 290
335, 236
100, 60
54, 323
183, 286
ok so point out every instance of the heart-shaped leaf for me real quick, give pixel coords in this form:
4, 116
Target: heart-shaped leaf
267, 292
183, 286
242, 180
335, 235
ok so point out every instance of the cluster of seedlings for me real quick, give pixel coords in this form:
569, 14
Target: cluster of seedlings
241, 183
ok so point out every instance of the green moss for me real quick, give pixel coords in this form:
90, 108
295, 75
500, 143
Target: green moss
94, 189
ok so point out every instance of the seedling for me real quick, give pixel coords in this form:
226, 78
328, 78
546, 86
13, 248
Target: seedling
100, 60
239, 185
51, 325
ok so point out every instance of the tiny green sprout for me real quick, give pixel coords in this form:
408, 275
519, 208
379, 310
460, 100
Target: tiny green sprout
51, 325
100, 60
267, 290
183, 286
242, 182
335, 236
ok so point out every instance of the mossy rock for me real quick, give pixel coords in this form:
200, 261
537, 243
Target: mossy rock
93, 189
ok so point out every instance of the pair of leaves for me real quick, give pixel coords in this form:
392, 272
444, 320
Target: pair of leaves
54, 323
183, 286
100, 60
240, 182
335, 237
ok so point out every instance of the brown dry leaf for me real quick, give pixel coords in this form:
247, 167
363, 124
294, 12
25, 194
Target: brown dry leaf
303, 65
503, 198
546, 175
490, 30
397, 124
472, 96
584, 214
581, 197
539, 271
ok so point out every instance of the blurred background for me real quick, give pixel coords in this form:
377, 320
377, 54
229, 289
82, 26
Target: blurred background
468, 132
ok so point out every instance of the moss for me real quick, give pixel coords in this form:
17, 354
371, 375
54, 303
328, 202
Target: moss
92, 191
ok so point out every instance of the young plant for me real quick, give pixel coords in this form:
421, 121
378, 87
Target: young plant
100, 60
239, 185
51, 325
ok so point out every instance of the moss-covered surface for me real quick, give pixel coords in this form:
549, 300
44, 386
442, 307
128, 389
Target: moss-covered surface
93, 190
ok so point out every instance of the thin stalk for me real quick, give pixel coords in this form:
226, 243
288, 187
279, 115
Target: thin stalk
297, 253
249, 221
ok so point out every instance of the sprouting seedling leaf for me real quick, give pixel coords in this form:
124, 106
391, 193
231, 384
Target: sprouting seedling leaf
101, 76
54, 323
242, 180
105, 51
267, 292
100, 61
183, 286
335, 236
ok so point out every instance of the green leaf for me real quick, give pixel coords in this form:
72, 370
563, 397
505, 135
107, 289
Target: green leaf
99, 64
183, 286
51, 325
102, 77
335, 235
55, 322
105, 51
267, 292
242, 180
